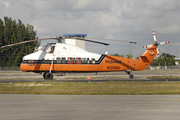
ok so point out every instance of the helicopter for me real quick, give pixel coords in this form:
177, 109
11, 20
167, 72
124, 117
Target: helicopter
65, 58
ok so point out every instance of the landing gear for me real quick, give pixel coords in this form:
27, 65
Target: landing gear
131, 76
48, 76
44, 75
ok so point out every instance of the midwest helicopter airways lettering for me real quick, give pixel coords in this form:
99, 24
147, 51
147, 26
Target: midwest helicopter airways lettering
62, 58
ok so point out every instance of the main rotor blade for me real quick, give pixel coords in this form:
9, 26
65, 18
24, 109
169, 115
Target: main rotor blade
114, 40
83, 39
24, 42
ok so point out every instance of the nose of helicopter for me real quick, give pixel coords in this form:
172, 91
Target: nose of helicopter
23, 67
34, 56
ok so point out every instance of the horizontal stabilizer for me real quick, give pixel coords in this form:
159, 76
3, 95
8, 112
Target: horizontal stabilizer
144, 58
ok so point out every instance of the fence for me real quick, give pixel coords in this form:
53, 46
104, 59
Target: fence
10, 69
163, 67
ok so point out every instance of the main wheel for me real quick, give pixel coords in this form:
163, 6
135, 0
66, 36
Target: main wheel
131, 76
48, 76
44, 75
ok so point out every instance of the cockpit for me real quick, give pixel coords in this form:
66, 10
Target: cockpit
48, 47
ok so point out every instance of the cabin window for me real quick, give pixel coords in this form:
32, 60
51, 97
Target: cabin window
63, 60
93, 60
58, 59
70, 60
87, 61
78, 60
84, 60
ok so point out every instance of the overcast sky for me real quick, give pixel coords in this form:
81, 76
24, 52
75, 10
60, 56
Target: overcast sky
117, 19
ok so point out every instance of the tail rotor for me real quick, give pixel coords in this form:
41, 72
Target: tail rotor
156, 43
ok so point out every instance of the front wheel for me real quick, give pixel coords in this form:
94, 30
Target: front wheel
44, 75
48, 76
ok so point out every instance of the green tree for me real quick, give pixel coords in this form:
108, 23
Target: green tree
129, 56
137, 57
121, 55
167, 59
12, 32
154, 62
164, 59
171, 61
159, 61
2, 42
116, 54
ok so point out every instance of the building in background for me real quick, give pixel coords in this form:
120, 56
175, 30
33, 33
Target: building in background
177, 61
75, 42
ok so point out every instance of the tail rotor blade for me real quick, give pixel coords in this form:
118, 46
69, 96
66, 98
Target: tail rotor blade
163, 42
154, 36
158, 52
147, 46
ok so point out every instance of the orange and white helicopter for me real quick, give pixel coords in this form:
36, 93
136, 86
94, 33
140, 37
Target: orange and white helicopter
62, 58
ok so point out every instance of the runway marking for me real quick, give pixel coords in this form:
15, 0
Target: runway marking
144, 99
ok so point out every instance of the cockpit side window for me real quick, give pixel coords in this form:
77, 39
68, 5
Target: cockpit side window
50, 49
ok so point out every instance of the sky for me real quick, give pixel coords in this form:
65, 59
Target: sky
131, 20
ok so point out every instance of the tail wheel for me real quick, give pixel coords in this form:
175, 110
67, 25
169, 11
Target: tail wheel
48, 76
131, 76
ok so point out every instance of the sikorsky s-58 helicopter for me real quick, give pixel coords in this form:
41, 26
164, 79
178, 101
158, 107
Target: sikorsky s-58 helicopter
61, 58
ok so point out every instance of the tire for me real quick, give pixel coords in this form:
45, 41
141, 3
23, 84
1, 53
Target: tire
131, 76
48, 76
44, 75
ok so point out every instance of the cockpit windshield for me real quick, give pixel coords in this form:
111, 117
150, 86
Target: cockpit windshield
48, 48
43, 47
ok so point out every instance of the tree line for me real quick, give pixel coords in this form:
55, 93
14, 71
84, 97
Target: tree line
14, 32
164, 59
121, 55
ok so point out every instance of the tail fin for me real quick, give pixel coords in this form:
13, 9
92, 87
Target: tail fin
149, 55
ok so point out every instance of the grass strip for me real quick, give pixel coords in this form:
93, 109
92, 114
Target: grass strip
93, 88
176, 77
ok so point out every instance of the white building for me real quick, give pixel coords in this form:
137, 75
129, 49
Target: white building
75, 42
177, 61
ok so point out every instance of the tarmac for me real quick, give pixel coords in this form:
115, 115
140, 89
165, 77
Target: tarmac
88, 107
19, 76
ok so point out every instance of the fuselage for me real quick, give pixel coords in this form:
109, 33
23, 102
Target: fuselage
68, 58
